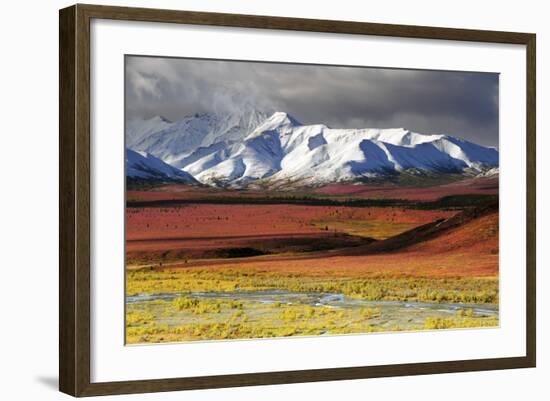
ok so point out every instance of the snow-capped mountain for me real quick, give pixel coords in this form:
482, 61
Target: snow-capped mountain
236, 150
281, 149
173, 142
138, 130
143, 166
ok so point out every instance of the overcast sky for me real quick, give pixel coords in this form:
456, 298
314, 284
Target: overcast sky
456, 103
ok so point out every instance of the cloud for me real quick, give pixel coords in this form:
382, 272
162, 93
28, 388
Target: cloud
143, 85
463, 104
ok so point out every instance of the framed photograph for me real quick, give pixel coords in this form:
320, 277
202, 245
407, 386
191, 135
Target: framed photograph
250, 200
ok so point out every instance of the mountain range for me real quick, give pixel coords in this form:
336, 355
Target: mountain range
254, 148
146, 167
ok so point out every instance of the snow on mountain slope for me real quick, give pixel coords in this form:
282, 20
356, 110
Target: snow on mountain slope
243, 147
281, 149
138, 130
174, 143
141, 165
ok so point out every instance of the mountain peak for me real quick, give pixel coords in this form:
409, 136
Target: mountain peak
282, 117
249, 145
403, 137
278, 121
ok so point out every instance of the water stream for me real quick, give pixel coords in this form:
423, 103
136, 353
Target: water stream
325, 300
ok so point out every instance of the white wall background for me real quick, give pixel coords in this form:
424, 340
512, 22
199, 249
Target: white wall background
28, 199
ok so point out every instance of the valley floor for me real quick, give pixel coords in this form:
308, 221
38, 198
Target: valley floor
205, 271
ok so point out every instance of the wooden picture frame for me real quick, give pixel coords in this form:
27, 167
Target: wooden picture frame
74, 203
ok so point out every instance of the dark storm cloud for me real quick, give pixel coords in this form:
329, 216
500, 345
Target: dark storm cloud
458, 103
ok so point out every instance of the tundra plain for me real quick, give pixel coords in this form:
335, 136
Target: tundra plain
208, 263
